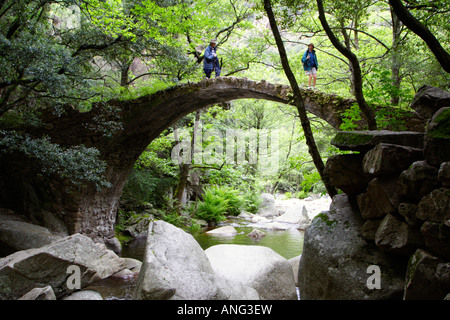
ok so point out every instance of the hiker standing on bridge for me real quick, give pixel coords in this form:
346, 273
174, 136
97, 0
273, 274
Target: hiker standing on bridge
210, 61
310, 65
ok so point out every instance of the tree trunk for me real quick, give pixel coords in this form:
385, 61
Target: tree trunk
124, 80
368, 113
396, 63
313, 151
185, 168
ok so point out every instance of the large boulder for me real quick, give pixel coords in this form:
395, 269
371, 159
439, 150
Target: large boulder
435, 206
390, 159
437, 239
225, 231
437, 136
398, 237
25, 270
418, 181
380, 199
430, 99
16, 235
45, 293
345, 172
268, 207
255, 266
297, 215
336, 258
175, 267
427, 277
84, 295
138, 226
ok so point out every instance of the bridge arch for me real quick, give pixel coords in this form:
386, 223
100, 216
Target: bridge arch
148, 116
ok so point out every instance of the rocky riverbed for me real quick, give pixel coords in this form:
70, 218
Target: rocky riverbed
108, 276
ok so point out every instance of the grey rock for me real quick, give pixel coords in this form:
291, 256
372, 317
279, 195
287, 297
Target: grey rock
267, 207
398, 237
133, 265
381, 198
225, 231
45, 293
296, 215
429, 99
369, 229
175, 267
364, 141
437, 138
84, 295
408, 212
444, 174
295, 261
418, 181
435, 206
437, 239
345, 173
138, 227
257, 267
390, 159
336, 257
24, 270
256, 234
16, 235
426, 277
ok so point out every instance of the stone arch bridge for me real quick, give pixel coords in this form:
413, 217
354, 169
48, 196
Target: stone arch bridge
89, 211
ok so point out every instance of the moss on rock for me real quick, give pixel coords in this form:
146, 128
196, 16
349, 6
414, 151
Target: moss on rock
440, 126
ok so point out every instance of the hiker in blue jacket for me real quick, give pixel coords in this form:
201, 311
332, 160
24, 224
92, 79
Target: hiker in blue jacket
210, 61
310, 65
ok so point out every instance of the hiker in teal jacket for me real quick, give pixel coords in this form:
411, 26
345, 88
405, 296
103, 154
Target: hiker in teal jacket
310, 65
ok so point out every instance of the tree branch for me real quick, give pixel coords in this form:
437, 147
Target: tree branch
356, 72
442, 56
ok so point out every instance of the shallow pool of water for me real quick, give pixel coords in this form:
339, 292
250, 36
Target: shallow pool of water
287, 243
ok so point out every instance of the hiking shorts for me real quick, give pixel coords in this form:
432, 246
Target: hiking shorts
312, 71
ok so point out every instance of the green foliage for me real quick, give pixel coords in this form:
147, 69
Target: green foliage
147, 186
212, 209
77, 164
252, 202
173, 217
312, 181
218, 202
302, 194
153, 175
142, 89
350, 117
